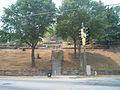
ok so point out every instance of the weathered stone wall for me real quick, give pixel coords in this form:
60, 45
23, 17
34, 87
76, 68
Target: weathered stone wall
99, 72
108, 72
57, 62
23, 73
44, 72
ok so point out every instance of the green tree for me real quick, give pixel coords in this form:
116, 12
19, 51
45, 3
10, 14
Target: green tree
98, 20
113, 30
51, 31
3, 36
73, 13
29, 20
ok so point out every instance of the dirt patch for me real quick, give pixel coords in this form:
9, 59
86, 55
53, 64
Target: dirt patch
16, 59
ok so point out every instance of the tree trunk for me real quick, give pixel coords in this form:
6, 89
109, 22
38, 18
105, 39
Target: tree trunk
33, 56
75, 46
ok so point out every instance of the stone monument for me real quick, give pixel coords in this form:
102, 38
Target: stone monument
57, 58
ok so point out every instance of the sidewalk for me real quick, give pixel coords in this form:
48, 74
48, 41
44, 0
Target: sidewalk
59, 77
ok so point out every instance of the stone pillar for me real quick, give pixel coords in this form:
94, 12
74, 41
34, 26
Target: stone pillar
88, 70
57, 62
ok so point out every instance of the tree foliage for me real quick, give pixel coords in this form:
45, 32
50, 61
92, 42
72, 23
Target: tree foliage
29, 20
3, 36
76, 12
113, 30
93, 14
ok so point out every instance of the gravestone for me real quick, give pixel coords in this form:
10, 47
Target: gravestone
57, 62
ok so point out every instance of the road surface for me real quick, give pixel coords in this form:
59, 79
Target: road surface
100, 83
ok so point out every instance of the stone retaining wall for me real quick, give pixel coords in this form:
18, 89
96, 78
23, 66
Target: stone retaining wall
23, 72
108, 72
99, 72
44, 72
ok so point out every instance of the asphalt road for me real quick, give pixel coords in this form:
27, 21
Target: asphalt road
101, 83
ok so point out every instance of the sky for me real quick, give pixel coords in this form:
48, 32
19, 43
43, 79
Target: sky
5, 3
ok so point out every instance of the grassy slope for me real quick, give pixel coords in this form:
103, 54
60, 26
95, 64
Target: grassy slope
20, 60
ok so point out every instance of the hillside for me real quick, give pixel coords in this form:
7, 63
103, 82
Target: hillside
16, 59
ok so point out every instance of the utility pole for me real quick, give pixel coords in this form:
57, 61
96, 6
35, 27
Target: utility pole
84, 40
83, 35
85, 61
79, 48
79, 51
